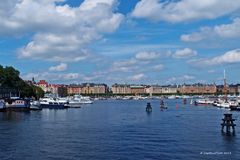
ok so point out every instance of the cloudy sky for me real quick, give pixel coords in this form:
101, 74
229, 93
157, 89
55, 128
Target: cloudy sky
123, 41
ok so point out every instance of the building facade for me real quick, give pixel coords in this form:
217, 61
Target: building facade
74, 89
198, 89
136, 90
170, 89
157, 89
121, 89
92, 88
44, 85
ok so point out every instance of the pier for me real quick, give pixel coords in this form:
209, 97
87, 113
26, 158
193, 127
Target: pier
228, 123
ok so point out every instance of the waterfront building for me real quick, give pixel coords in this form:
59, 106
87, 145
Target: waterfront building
100, 88
138, 89
198, 89
233, 89
53, 88
92, 88
238, 88
157, 89
62, 91
121, 89
170, 89
230, 89
73, 89
44, 85
154, 89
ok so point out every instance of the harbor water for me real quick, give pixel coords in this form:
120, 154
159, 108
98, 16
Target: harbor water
118, 130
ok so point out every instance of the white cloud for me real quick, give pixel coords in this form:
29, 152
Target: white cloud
223, 31
60, 67
211, 71
184, 10
53, 76
124, 65
158, 67
232, 56
180, 79
136, 77
184, 53
60, 32
141, 61
145, 56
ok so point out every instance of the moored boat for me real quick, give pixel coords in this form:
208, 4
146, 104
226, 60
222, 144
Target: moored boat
81, 100
204, 102
17, 104
35, 106
53, 103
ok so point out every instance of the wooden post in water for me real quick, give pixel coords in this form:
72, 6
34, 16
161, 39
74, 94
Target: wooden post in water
149, 107
228, 123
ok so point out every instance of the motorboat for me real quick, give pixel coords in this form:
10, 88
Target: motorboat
204, 101
226, 103
53, 103
78, 100
172, 97
35, 106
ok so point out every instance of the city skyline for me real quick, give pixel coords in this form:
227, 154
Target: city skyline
117, 41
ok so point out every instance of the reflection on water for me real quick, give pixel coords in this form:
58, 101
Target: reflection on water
118, 130
14, 116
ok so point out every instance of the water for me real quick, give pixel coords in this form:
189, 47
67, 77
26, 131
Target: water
116, 129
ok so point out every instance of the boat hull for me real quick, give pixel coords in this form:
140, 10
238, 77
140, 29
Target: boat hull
53, 106
17, 109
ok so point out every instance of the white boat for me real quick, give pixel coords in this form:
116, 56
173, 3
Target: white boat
73, 103
53, 103
78, 99
172, 97
186, 97
225, 104
204, 101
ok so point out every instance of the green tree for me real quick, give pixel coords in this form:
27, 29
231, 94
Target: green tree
10, 77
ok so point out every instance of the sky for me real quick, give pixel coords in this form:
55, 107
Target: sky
122, 41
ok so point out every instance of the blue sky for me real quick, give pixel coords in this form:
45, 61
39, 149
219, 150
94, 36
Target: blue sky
122, 41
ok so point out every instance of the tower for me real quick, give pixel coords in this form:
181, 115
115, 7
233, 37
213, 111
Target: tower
225, 84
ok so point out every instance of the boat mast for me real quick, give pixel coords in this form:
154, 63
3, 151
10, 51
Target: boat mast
225, 84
